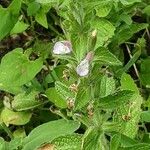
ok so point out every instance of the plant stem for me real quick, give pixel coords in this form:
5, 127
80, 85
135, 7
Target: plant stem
7, 130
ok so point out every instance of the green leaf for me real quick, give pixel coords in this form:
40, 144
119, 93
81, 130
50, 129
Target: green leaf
128, 115
103, 10
7, 22
41, 18
115, 100
72, 142
16, 69
46, 1
63, 90
32, 9
107, 86
95, 140
129, 2
48, 132
54, 97
104, 56
145, 116
127, 83
140, 146
15, 7
16, 118
25, 101
145, 72
3, 144
82, 98
146, 10
19, 27
105, 30
115, 142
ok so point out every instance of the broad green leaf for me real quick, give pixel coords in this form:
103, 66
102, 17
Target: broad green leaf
63, 90
82, 98
9, 17
128, 115
16, 118
105, 30
140, 146
24, 101
54, 97
3, 144
7, 22
115, 142
145, 72
15, 7
32, 9
107, 86
129, 2
48, 132
127, 83
103, 10
104, 56
146, 10
72, 142
95, 140
41, 18
126, 32
16, 69
115, 100
19, 27
15, 144
145, 116
46, 1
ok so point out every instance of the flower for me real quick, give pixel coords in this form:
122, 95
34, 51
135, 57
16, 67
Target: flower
84, 66
62, 47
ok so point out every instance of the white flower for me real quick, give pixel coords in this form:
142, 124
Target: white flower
83, 68
62, 47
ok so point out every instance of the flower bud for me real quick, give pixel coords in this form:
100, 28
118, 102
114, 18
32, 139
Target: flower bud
62, 47
84, 66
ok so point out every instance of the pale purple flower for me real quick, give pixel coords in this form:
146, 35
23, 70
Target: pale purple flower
62, 47
84, 67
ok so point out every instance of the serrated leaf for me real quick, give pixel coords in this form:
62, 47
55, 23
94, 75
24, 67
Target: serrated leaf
82, 98
140, 146
115, 100
105, 30
67, 142
48, 132
54, 97
128, 115
16, 118
104, 56
63, 90
107, 86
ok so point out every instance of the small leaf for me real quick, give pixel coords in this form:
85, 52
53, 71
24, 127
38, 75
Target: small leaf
115, 100
115, 142
145, 116
146, 10
103, 56
82, 98
32, 9
41, 18
72, 142
16, 118
19, 27
54, 97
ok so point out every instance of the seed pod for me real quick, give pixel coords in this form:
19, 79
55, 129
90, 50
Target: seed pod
62, 47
